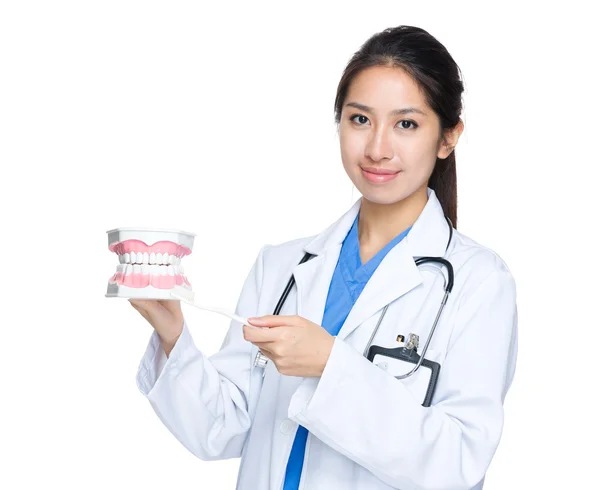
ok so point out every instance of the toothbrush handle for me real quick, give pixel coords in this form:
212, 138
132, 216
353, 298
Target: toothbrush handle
220, 311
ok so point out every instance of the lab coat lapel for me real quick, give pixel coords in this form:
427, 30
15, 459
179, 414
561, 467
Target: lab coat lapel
314, 276
312, 280
395, 276
398, 274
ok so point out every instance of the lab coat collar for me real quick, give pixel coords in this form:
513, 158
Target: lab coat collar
424, 239
396, 275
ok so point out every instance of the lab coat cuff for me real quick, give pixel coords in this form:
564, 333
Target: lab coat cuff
155, 363
318, 394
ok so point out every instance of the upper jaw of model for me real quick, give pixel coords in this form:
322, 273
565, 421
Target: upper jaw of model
149, 262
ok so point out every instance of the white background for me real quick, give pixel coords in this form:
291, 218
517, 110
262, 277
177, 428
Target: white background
219, 120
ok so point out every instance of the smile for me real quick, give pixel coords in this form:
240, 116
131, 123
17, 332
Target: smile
378, 175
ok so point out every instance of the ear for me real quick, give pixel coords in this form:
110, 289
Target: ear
450, 140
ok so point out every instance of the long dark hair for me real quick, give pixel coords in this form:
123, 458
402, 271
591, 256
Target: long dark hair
428, 62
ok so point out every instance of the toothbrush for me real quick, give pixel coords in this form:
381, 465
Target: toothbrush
184, 294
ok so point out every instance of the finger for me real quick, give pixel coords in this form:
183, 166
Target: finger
264, 348
275, 320
265, 352
141, 311
145, 304
136, 303
141, 302
153, 306
171, 305
259, 335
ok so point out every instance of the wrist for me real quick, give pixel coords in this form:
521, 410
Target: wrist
168, 341
169, 344
327, 352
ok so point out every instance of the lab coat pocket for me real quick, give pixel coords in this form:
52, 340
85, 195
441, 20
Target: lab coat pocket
420, 383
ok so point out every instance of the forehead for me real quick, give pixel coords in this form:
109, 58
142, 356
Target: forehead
385, 88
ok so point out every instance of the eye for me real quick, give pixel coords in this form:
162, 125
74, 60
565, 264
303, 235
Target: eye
363, 119
409, 123
405, 123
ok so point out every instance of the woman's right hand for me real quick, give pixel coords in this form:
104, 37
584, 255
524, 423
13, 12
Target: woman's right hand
165, 316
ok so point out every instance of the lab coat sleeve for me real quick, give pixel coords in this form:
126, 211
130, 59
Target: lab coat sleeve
369, 416
204, 401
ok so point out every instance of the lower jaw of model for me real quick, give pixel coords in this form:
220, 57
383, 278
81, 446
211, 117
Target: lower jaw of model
149, 262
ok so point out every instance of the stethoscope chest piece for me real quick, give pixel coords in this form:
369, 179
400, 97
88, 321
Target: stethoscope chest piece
260, 360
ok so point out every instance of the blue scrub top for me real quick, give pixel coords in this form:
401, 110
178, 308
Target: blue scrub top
349, 279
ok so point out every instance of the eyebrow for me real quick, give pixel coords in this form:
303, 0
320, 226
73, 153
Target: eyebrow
396, 112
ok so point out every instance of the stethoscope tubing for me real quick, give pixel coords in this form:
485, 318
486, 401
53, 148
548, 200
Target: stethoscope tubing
261, 360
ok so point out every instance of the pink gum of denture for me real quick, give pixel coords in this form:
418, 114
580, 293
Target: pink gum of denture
144, 280
137, 246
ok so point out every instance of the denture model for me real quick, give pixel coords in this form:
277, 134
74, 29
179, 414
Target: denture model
149, 262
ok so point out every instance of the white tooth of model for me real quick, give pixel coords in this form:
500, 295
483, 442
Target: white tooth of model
126, 257
170, 270
145, 258
152, 258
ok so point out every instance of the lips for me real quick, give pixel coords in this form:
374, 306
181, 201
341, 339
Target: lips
380, 171
378, 175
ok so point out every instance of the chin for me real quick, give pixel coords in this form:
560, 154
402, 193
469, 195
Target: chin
382, 200
382, 195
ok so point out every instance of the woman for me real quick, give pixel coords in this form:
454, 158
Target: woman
320, 415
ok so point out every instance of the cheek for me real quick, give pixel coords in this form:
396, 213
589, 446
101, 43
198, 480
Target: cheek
417, 157
351, 149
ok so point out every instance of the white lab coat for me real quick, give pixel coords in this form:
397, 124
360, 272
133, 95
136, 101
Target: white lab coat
367, 430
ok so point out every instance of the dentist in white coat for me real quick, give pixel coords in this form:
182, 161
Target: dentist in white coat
321, 416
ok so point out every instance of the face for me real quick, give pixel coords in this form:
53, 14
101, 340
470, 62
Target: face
389, 137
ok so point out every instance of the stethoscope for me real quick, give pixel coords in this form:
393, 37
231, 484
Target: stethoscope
408, 349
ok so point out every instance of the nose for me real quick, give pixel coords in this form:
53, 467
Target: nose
379, 145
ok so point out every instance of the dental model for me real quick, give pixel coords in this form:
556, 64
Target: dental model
149, 262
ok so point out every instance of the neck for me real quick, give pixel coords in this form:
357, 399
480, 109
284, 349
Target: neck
380, 223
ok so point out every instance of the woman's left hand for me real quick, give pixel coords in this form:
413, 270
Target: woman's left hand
297, 346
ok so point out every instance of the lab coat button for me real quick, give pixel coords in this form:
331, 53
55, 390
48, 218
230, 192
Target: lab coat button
286, 426
383, 365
